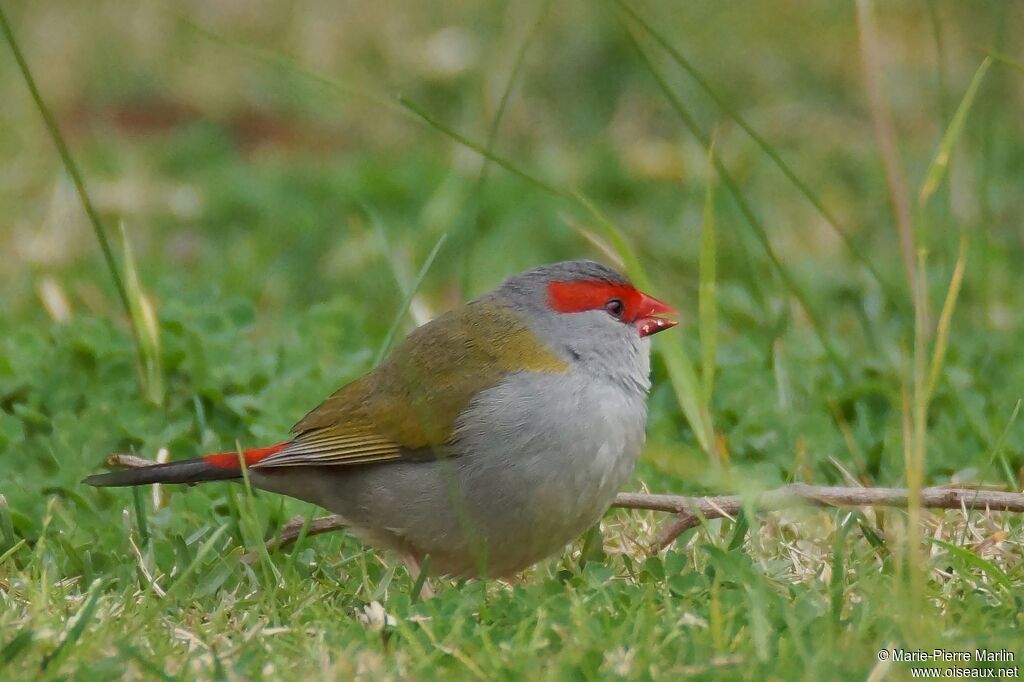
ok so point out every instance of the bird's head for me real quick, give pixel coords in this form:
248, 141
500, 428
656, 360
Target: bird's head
611, 295
591, 313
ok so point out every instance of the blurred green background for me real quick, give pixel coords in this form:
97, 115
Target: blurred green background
279, 199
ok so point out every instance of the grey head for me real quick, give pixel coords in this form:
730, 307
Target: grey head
591, 315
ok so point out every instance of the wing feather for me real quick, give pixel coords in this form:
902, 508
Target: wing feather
395, 413
324, 448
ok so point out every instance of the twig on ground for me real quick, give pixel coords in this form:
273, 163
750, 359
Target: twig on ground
291, 531
690, 511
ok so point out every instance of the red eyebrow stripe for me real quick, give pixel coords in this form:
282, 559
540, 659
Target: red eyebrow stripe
591, 294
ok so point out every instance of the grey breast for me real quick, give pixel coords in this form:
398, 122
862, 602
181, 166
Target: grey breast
543, 456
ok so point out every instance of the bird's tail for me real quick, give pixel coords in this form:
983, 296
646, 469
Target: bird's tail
221, 466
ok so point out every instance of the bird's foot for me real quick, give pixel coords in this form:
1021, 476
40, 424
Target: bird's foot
413, 563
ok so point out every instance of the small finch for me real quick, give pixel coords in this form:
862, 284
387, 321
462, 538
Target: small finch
489, 438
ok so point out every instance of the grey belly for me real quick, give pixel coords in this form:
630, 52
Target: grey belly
528, 475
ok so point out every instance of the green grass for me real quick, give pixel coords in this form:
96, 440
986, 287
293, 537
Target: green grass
286, 218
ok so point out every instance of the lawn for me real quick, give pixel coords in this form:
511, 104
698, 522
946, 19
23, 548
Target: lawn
285, 187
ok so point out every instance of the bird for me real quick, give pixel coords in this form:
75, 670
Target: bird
487, 440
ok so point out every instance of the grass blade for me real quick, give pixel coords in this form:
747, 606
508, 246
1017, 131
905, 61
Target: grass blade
945, 317
141, 516
838, 583
421, 580
916, 424
1008, 61
801, 186
15, 646
144, 323
885, 135
293, 556
506, 93
249, 525
480, 149
79, 622
396, 324
287, 63
12, 551
971, 559
707, 307
997, 449
937, 168
193, 566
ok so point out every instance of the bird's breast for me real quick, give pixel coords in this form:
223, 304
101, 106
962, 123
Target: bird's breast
542, 456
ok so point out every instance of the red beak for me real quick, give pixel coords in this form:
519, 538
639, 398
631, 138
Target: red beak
647, 322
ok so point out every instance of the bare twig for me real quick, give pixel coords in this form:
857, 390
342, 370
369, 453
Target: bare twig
118, 461
291, 531
690, 511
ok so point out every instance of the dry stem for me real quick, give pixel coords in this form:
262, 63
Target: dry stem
885, 134
690, 510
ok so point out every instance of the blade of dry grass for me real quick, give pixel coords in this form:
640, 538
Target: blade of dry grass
916, 401
707, 306
940, 55
915, 455
885, 135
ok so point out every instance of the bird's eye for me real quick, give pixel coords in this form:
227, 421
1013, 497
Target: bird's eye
615, 308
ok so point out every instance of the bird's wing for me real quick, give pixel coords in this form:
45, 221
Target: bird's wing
409, 404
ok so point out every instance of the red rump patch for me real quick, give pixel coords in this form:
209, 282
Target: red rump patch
229, 460
592, 294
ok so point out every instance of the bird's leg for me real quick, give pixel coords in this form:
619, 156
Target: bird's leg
412, 562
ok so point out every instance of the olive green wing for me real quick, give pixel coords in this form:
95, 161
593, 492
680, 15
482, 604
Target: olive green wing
410, 402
